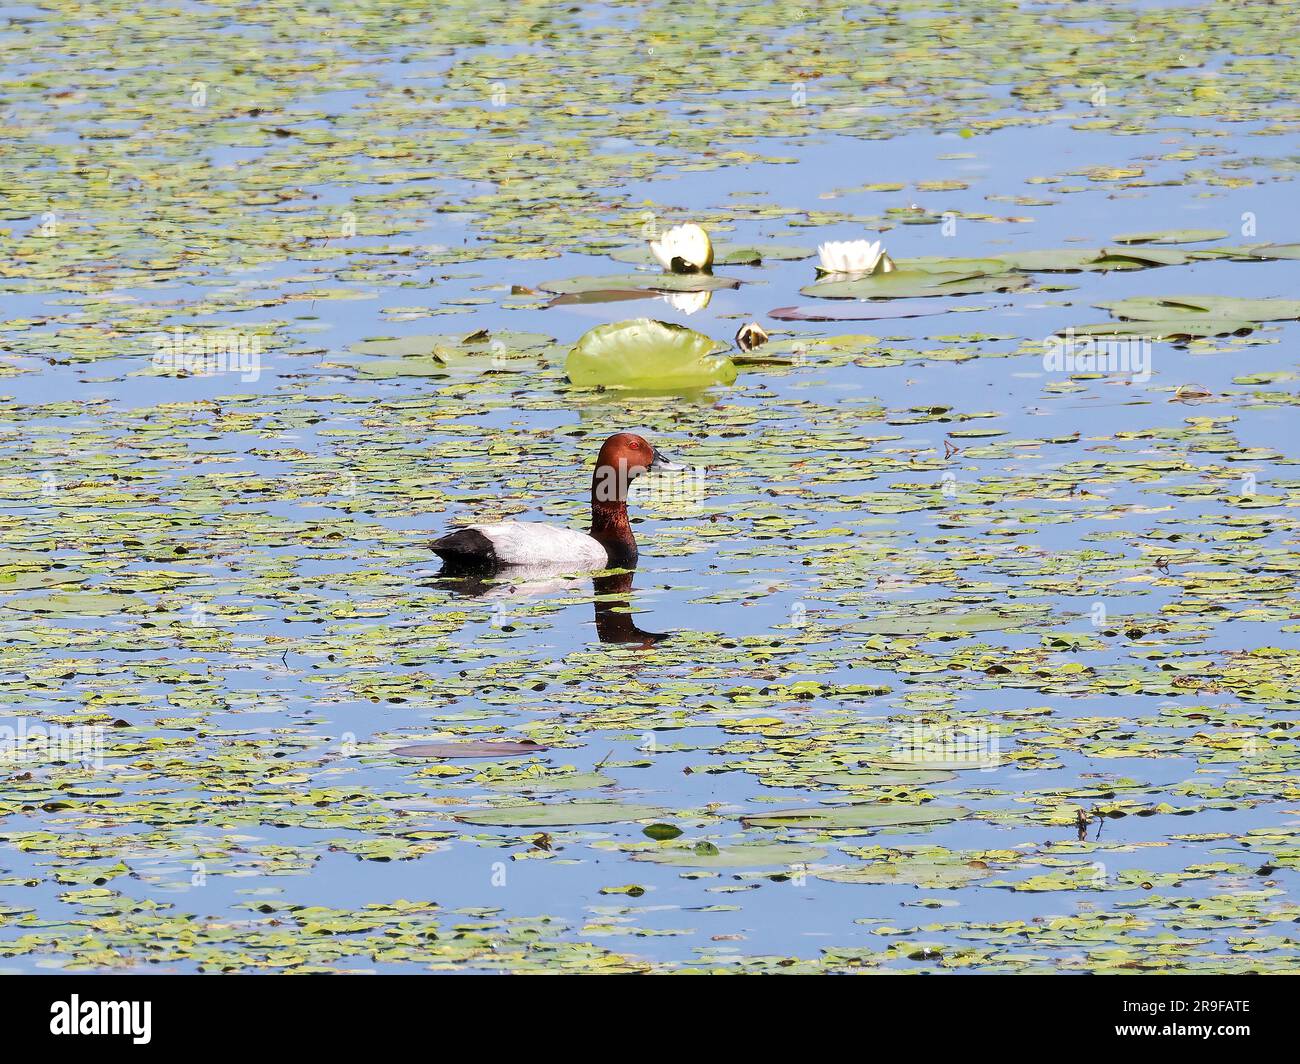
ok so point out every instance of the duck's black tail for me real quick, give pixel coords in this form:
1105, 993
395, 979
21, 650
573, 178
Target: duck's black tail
465, 550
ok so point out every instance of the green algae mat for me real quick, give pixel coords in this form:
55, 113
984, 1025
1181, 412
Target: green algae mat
969, 643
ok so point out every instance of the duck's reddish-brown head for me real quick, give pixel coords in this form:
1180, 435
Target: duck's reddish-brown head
623, 457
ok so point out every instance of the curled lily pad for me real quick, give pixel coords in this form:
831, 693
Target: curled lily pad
1275, 251
1248, 252
644, 353
1073, 260
1130, 258
1189, 317
1173, 329
1164, 308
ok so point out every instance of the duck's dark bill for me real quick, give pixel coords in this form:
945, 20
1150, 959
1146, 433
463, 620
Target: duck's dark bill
661, 464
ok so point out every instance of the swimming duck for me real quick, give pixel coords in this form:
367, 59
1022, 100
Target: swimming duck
622, 458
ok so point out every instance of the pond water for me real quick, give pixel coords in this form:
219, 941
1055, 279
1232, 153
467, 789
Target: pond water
1011, 648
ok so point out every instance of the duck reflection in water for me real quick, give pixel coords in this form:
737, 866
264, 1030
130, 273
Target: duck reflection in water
612, 595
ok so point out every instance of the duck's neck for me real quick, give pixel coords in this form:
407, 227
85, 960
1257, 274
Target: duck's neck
609, 524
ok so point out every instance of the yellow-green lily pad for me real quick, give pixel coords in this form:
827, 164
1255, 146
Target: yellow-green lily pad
644, 353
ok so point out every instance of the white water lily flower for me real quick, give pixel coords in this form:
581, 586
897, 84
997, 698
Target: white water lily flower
854, 256
687, 302
683, 249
